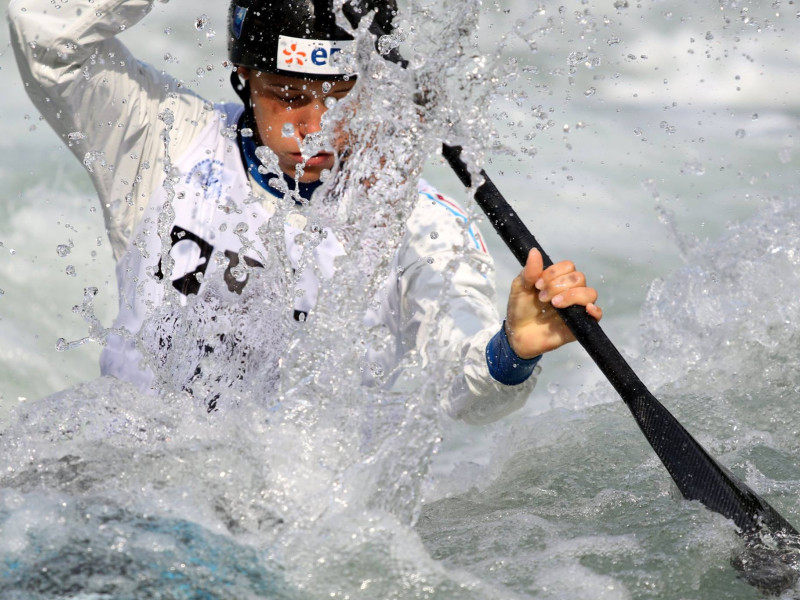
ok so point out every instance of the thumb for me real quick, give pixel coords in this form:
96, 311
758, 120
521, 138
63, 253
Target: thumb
534, 266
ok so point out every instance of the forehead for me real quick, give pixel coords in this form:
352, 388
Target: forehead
298, 83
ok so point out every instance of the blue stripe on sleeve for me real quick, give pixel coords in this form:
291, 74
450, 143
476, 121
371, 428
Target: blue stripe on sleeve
504, 364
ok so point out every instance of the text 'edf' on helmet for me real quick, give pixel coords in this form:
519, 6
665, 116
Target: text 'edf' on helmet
299, 38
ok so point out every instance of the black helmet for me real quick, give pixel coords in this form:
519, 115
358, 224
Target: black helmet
298, 38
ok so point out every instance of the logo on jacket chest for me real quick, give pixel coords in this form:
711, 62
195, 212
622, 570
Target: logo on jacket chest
192, 255
207, 175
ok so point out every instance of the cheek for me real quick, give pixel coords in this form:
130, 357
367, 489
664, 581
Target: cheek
270, 118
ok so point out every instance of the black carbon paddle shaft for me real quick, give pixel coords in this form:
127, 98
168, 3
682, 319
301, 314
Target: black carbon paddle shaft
697, 474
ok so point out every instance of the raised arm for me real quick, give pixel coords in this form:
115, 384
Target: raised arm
100, 100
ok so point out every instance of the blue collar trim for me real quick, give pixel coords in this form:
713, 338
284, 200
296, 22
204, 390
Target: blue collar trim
248, 145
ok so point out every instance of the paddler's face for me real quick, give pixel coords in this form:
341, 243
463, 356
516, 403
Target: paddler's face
278, 100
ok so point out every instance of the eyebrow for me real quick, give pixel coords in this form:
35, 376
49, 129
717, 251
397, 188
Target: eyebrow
284, 87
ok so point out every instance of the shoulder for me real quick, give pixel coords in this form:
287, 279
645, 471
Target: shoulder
439, 217
230, 113
204, 125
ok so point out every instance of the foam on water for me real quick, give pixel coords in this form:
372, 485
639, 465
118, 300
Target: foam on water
581, 492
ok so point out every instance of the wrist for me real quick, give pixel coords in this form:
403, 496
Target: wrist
505, 366
511, 341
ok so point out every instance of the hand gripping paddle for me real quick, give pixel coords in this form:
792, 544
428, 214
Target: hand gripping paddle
698, 475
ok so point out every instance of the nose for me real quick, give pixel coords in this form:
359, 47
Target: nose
310, 121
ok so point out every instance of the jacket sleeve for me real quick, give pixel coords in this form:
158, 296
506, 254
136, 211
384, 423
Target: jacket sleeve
101, 101
448, 312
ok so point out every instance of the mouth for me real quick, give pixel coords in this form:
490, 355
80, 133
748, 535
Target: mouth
323, 158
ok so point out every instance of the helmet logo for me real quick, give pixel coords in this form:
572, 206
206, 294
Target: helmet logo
293, 54
313, 57
239, 13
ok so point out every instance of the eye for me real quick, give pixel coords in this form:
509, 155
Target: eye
340, 93
292, 97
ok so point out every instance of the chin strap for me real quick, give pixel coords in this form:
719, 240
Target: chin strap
242, 89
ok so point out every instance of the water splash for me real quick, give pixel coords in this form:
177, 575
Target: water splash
264, 441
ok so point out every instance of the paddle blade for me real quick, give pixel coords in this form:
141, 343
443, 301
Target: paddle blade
698, 475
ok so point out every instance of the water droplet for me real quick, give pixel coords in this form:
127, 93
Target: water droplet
740, 133
620, 4
61, 345
2, 292
247, 132
201, 22
693, 168
387, 43
167, 117
434, 235
429, 260
287, 130
63, 249
709, 36
70, 270
330, 102
91, 157
326, 87
590, 92
755, 117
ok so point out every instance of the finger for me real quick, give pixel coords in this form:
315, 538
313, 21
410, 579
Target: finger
560, 284
594, 311
581, 296
554, 271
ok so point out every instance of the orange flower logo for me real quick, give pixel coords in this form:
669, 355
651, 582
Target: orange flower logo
293, 55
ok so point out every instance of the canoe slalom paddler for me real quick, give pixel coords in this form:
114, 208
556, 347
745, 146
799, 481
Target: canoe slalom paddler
110, 109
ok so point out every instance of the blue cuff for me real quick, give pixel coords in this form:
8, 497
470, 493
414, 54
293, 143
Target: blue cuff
504, 364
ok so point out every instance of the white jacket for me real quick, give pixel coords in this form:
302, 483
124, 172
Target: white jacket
105, 105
